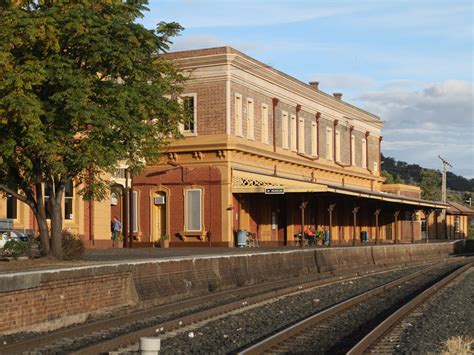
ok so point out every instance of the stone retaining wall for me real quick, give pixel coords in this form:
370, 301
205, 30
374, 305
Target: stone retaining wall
41, 300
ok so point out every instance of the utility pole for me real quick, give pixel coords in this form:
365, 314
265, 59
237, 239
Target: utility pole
443, 196
443, 190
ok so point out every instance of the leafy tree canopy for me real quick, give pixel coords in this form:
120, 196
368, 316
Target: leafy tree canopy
81, 87
430, 184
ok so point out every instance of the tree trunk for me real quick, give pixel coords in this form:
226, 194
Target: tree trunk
42, 222
56, 225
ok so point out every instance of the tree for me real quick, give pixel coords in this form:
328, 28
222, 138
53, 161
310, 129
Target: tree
430, 183
81, 88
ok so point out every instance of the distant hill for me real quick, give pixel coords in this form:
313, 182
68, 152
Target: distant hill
411, 174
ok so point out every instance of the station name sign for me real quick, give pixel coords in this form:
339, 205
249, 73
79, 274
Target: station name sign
274, 191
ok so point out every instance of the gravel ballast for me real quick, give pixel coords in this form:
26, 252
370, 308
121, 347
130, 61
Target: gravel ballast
229, 334
449, 313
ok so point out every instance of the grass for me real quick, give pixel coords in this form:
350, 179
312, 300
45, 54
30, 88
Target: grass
458, 346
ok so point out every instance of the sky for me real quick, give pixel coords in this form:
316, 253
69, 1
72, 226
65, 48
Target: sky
409, 62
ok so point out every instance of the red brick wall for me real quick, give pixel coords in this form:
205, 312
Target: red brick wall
57, 300
176, 180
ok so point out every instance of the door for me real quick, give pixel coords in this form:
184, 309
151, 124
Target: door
159, 218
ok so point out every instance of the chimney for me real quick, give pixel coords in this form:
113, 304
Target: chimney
314, 84
337, 95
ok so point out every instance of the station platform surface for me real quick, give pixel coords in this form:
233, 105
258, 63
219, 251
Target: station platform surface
93, 257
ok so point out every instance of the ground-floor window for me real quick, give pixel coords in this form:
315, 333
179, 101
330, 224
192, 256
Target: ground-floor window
193, 210
11, 207
135, 211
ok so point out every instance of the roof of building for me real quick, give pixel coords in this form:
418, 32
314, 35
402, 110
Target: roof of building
457, 208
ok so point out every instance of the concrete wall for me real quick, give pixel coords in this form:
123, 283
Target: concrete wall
41, 300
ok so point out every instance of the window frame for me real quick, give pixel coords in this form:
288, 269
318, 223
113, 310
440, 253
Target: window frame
301, 140
353, 148
186, 212
188, 132
135, 213
238, 112
250, 118
364, 153
284, 130
69, 216
337, 144
329, 144
11, 206
293, 134
314, 139
265, 116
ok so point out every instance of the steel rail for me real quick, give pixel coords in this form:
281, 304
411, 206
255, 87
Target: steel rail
297, 328
378, 332
88, 328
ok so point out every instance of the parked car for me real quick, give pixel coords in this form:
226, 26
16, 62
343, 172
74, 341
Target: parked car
12, 235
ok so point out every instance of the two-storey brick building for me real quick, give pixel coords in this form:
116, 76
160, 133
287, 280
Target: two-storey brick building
263, 152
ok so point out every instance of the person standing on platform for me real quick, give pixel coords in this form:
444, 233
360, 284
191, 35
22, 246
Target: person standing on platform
116, 228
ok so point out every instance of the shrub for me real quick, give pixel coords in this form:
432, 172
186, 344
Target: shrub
73, 248
15, 248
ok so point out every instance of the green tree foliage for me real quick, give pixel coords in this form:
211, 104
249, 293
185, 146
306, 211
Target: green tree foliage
81, 87
411, 174
430, 184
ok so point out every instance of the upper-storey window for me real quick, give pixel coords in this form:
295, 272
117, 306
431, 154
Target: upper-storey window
338, 145
250, 119
314, 139
265, 124
189, 125
329, 147
376, 167
353, 150
238, 114
364, 153
293, 133
301, 134
284, 130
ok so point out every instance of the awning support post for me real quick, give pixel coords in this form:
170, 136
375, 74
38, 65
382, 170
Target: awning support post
377, 231
330, 209
413, 219
395, 215
302, 207
354, 212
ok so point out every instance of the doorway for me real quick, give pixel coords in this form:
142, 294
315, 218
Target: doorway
159, 215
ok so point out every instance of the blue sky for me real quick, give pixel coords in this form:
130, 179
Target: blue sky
410, 62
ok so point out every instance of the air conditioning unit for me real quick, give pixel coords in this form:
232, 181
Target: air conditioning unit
159, 200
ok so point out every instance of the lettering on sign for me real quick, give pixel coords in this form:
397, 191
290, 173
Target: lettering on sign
274, 191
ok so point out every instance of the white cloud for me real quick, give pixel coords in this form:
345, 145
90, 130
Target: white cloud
420, 125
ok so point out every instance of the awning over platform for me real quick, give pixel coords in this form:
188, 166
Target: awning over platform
247, 181
384, 196
251, 182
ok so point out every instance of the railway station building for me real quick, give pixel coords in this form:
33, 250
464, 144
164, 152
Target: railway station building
264, 153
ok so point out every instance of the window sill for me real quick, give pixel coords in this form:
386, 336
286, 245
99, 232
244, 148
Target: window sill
201, 235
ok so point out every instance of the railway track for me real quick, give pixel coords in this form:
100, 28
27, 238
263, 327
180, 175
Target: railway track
114, 333
384, 338
312, 333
